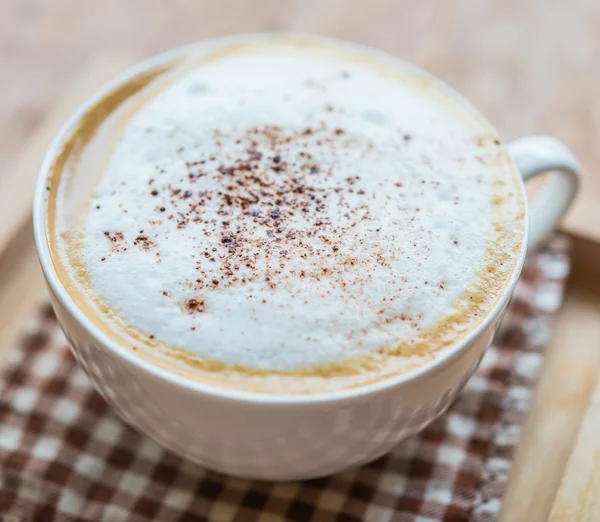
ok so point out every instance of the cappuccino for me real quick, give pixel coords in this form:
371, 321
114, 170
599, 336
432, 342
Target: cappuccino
286, 215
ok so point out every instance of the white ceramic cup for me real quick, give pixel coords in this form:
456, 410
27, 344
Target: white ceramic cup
284, 437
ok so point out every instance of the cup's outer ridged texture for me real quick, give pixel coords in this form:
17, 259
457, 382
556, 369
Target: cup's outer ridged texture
274, 441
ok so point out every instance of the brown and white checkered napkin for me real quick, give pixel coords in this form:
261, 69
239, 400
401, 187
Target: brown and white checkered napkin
64, 455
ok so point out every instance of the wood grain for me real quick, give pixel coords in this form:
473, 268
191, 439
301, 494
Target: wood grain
578, 498
570, 373
22, 288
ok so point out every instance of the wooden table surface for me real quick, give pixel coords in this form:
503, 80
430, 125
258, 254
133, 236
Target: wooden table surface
530, 66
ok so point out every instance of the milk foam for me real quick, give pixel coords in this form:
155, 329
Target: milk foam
279, 210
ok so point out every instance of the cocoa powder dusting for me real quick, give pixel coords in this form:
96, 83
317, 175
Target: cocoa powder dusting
194, 305
268, 202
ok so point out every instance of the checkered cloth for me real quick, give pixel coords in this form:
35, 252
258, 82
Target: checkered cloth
64, 455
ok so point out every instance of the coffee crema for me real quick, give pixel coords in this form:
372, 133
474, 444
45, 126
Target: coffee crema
285, 215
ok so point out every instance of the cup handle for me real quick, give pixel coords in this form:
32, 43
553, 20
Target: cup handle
535, 155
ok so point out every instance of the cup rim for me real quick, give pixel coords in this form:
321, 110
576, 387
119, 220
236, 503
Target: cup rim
61, 293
